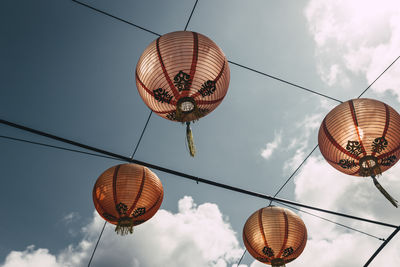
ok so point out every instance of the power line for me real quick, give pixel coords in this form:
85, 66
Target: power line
382, 246
97, 243
378, 77
140, 138
134, 152
191, 13
102, 156
284, 81
325, 219
241, 258
57, 147
290, 177
234, 63
115, 17
190, 177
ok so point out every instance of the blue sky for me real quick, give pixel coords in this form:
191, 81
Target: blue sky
69, 71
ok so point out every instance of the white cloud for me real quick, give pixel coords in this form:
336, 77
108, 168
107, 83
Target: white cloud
71, 217
300, 143
321, 185
30, 257
359, 37
195, 236
270, 147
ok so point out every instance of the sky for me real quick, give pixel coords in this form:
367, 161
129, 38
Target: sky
69, 71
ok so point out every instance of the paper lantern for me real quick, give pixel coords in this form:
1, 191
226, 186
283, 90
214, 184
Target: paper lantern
127, 195
274, 235
182, 76
361, 137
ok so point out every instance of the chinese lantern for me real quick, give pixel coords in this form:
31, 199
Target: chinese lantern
361, 137
127, 195
182, 76
274, 235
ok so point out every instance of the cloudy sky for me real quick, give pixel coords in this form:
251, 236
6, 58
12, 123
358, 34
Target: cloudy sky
69, 71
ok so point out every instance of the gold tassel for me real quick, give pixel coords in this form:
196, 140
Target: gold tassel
189, 137
124, 226
384, 192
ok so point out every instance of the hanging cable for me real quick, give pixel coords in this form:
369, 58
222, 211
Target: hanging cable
97, 243
382, 246
57, 147
191, 13
325, 219
290, 177
134, 152
188, 176
285, 81
115, 17
241, 258
237, 64
140, 138
378, 77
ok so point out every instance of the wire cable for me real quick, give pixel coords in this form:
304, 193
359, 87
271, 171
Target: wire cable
285, 81
382, 246
234, 63
134, 152
97, 243
191, 13
378, 77
140, 138
57, 147
244, 252
290, 177
325, 219
188, 176
115, 17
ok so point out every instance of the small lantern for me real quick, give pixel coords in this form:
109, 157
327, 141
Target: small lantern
274, 235
182, 76
127, 195
361, 137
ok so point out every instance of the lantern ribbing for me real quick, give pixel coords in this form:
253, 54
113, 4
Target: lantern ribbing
127, 195
360, 138
274, 235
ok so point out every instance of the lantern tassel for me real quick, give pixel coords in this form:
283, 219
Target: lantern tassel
189, 138
124, 226
278, 262
384, 192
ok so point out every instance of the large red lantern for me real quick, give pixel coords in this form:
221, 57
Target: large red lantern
274, 235
182, 76
127, 195
361, 137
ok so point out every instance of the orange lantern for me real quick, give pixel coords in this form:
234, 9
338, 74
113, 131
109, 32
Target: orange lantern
182, 76
361, 137
274, 235
127, 195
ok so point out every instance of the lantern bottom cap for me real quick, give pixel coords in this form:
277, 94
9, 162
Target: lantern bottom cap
369, 166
